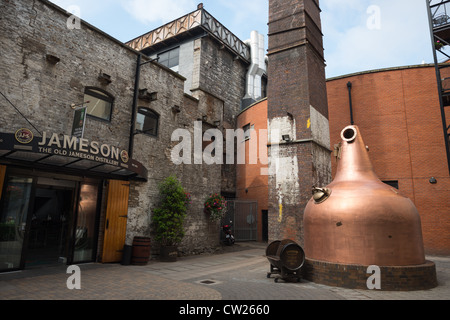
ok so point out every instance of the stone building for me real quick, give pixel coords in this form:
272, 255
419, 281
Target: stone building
77, 188
224, 73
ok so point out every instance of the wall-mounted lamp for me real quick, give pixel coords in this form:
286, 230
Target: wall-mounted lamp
433, 180
217, 123
74, 106
286, 138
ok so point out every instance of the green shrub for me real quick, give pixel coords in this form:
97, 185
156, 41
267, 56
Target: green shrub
168, 217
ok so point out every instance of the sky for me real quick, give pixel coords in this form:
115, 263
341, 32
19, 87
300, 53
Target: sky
359, 35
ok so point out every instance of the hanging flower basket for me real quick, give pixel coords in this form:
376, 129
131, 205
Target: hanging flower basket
438, 45
215, 206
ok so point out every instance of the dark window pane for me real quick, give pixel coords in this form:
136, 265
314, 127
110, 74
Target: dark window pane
170, 59
147, 122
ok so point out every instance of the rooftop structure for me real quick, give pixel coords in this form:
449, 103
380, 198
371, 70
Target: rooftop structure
196, 23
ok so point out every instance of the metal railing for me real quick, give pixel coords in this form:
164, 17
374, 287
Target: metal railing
243, 215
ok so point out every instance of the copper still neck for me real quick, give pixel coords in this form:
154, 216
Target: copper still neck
353, 159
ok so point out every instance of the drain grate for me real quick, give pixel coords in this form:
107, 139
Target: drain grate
208, 282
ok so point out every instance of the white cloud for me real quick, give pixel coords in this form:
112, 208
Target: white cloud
151, 11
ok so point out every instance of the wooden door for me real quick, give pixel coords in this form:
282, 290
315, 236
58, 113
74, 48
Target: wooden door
116, 221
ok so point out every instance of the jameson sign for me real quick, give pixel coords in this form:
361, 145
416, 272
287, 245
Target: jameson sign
72, 146
69, 146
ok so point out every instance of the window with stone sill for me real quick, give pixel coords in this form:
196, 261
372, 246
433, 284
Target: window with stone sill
100, 103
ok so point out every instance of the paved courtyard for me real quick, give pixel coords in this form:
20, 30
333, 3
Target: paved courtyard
237, 275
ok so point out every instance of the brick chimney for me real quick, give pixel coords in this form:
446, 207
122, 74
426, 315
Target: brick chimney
299, 150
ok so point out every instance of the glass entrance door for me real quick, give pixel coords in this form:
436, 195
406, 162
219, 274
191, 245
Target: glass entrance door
49, 226
13, 220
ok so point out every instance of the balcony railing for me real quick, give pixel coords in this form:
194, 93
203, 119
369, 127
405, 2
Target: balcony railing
440, 12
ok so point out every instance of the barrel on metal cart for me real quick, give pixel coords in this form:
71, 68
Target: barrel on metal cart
141, 251
292, 256
272, 249
286, 259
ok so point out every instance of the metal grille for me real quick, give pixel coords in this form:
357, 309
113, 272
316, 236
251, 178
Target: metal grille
243, 215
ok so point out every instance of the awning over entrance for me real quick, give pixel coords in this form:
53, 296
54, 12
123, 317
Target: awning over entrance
68, 154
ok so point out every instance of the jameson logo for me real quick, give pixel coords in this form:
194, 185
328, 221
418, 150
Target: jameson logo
81, 148
24, 136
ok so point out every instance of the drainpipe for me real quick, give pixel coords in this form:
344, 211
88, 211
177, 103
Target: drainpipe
349, 86
134, 107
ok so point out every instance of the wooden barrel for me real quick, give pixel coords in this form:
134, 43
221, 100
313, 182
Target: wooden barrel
141, 251
292, 256
272, 248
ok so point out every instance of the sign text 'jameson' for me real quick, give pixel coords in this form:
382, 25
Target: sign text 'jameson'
81, 148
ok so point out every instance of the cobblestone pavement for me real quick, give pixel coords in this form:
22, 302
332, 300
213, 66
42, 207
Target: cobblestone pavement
236, 275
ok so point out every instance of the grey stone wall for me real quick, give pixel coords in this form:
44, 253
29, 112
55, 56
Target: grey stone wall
216, 77
222, 76
43, 91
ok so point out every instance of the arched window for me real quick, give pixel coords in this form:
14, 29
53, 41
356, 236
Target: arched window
100, 103
147, 122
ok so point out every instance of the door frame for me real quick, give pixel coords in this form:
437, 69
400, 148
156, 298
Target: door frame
99, 184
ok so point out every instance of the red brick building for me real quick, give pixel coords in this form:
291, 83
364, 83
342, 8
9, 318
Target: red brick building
398, 113
252, 178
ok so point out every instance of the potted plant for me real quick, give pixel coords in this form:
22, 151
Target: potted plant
215, 206
168, 217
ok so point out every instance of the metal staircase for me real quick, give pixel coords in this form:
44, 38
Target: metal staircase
439, 20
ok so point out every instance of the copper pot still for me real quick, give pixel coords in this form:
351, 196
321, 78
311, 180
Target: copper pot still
358, 219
